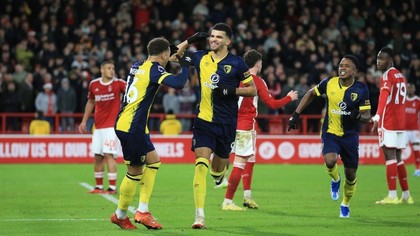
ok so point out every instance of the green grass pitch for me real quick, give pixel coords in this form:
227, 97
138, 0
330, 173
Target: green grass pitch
41, 199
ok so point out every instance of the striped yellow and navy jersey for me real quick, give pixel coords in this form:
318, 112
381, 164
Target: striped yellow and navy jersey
229, 72
340, 102
143, 83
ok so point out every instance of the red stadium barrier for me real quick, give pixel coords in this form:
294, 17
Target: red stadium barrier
271, 149
276, 124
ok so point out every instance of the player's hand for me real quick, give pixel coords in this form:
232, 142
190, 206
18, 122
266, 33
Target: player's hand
293, 121
355, 114
197, 37
186, 59
293, 95
82, 128
174, 48
224, 92
375, 120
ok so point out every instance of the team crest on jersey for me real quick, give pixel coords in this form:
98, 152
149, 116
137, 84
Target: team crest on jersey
353, 96
161, 70
109, 88
143, 159
227, 68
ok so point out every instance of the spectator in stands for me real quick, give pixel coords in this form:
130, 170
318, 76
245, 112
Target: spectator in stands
66, 105
171, 102
30, 36
27, 94
157, 107
46, 102
289, 86
39, 126
11, 102
19, 74
23, 55
170, 125
187, 98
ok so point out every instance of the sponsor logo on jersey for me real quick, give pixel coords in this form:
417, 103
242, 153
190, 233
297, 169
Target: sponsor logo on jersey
214, 79
342, 111
104, 97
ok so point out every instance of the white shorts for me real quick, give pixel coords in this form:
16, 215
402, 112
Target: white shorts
245, 144
412, 136
105, 141
392, 139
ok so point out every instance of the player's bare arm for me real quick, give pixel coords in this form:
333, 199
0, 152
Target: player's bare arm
306, 100
90, 105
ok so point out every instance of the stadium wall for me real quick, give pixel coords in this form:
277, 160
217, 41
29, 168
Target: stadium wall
271, 149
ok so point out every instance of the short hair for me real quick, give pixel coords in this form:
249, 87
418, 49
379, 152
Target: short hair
251, 57
388, 51
225, 28
353, 59
157, 45
107, 62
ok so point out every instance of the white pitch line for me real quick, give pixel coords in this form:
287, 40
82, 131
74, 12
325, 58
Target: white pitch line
108, 197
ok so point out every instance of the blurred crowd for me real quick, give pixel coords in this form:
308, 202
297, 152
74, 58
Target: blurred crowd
53, 48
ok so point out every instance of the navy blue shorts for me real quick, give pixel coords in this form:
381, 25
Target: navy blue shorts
135, 147
347, 147
218, 137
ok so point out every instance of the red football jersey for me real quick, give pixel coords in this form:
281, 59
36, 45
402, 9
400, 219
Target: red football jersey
107, 98
393, 115
248, 105
412, 110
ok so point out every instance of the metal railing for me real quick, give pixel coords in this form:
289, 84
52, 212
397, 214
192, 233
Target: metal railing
18, 123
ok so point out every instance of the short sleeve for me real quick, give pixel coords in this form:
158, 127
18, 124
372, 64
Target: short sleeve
321, 88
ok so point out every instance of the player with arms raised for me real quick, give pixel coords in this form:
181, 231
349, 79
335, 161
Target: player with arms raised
220, 73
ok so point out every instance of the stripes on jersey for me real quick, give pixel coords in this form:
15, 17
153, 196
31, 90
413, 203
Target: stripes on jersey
340, 102
228, 72
142, 85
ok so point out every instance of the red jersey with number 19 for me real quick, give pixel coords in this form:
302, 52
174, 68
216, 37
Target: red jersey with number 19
107, 98
393, 115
